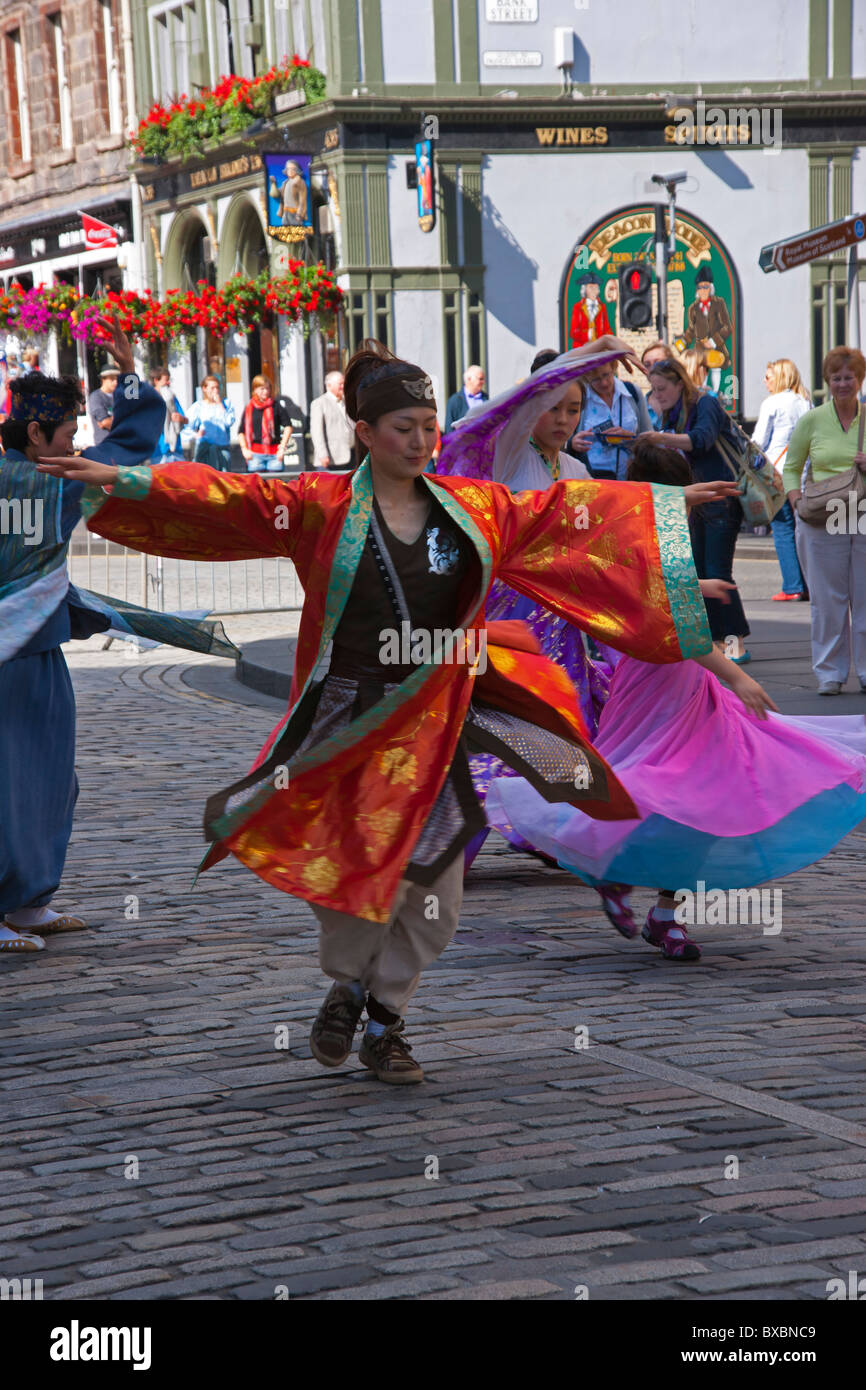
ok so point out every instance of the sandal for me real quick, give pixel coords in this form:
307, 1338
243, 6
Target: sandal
672, 940
617, 911
20, 941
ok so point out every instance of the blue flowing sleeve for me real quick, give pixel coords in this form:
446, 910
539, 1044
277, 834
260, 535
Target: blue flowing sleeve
138, 419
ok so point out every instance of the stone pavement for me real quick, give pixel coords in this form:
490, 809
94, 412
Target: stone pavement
708, 1141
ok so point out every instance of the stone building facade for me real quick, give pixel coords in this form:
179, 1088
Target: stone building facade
66, 105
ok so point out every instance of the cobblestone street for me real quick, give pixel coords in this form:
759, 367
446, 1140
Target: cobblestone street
709, 1142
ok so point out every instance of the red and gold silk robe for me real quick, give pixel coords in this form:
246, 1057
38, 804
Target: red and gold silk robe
612, 558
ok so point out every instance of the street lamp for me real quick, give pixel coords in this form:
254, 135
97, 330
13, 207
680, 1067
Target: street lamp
666, 245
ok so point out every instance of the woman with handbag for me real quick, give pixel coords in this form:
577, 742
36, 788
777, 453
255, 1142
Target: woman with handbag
786, 402
694, 422
830, 508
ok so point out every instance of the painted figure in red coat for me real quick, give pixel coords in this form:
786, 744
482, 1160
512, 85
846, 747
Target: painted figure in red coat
588, 317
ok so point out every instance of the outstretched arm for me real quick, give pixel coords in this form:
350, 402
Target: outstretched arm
188, 511
752, 695
614, 559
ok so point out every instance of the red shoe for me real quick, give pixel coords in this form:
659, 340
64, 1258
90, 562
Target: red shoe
672, 940
616, 910
788, 598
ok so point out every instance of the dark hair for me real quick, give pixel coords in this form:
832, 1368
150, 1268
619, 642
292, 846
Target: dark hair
65, 389
653, 463
158, 373
542, 358
372, 361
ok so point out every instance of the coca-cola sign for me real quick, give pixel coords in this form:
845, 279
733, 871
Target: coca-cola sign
98, 235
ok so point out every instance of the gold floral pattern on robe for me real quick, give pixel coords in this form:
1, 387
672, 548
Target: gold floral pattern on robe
626, 578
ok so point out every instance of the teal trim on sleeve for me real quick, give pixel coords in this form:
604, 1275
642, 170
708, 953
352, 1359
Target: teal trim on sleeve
678, 571
92, 498
133, 484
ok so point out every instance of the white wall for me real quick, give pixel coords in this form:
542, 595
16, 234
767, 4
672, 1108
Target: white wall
636, 41
858, 50
418, 335
409, 245
407, 40
535, 211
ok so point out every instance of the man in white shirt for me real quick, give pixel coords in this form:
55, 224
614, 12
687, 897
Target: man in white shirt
331, 430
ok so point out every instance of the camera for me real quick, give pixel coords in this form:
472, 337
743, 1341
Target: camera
670, 180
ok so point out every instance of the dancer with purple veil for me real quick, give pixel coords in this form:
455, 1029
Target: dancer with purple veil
518, 439
730, 792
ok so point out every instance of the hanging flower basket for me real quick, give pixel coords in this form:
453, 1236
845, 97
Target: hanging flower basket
241, 304
228, 109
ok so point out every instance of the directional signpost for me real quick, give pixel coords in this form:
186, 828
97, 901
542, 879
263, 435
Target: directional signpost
822, 241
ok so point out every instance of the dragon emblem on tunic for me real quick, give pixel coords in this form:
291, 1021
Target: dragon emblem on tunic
442, 551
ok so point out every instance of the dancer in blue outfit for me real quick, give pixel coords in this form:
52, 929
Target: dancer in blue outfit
39, 610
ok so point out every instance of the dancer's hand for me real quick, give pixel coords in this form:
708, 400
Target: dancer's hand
716, 588
715, 491
608, 343
78, 469
752, 695
114, 334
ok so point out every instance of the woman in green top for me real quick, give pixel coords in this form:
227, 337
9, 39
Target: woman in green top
833, 557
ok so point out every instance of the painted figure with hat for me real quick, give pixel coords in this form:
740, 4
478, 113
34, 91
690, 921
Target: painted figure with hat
291, 196
589, 319
708, 327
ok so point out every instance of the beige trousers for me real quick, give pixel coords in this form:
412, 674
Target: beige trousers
388, 960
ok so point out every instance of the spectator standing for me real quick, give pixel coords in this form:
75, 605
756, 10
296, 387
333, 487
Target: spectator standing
462, 402
290, 419
29, 361
212, 419
332, 431
833, 560
655, 352
259, 435
168, 448
786, 402
693, 421
608, 403
100, 403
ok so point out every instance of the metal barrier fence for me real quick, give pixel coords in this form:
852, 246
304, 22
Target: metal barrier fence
238, 586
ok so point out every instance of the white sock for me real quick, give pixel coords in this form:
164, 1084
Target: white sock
664, 914
12, 934
27, 917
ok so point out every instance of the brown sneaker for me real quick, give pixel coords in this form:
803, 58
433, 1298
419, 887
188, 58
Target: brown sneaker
389, 1057
333, 1031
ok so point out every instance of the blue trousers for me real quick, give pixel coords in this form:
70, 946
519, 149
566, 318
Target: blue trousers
714, 529
38, 785
786, 549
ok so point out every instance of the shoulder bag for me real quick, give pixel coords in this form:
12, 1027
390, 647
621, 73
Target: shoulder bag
815, 499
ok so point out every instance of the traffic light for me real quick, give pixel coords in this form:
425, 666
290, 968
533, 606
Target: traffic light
635, 295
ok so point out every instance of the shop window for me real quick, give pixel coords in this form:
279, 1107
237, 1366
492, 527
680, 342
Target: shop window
453, 344
174, 39
475, 314
108, 48
60, 95
355, 317
17, 104
382, 328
